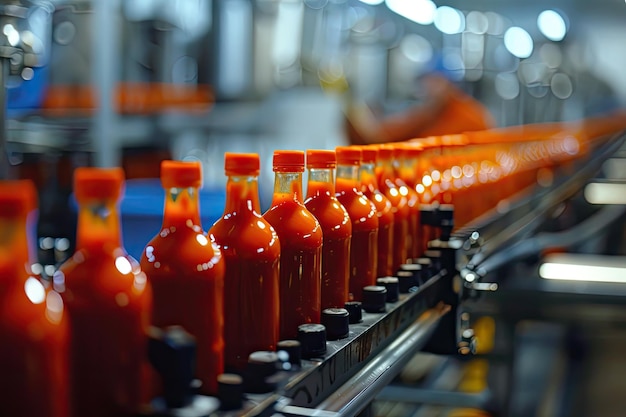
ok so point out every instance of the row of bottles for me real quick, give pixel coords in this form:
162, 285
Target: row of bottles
253, 278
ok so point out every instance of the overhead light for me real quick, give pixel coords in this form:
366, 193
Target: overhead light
372, 2
419, 11
518, 42
449, 20
580, 267
605, 193
552, 25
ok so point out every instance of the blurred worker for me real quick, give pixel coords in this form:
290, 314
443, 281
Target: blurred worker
445, 110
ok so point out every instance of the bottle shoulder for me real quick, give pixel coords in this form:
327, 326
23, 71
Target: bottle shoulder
331, 214
294, 223
248, 235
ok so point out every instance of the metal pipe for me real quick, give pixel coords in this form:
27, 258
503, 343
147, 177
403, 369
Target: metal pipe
105, 73
360, 390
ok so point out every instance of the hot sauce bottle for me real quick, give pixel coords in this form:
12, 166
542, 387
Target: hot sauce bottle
186, 272
403, 157
108, 300
251, 249
364, 244
399, 203
336, 227
33, 326
369, 187
300, 237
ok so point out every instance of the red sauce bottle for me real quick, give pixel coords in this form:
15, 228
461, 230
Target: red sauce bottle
364, 244
336, 227
399, 203
300, 237
33, 327
369, 187
251, 249
403, 154
108, 300
186, 272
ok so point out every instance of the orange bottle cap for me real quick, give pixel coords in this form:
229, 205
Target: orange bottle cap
320, 158
17, 198
370, 154
385, 152
179, 174
242, 163
98, 183
348, 155
288, 161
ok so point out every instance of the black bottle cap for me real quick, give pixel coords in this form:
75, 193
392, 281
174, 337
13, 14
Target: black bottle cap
374, 298
312, 337
261, 365
336, 321
354, 311
172, 352
432, 253
293, 349
406, 281
446, 211
230, 391
411, 267
393, 288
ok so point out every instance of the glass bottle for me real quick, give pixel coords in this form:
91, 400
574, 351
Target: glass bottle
251, 250
336, 227
364, 244
186, 272
108, 300
369, 187
404, 160
300, 237
399, 203
33, 326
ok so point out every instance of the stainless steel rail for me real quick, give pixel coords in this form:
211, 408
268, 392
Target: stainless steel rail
359, 391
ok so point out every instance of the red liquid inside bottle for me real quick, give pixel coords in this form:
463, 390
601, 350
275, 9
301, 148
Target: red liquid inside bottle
251, 249
399, 203
336, 227
108, 300
369, 187
186, 272
33, 326
300, 237
364, 244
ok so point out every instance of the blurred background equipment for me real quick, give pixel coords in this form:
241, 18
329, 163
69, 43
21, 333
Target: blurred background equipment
131, 83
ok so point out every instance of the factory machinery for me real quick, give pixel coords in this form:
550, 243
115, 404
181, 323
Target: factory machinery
498, 264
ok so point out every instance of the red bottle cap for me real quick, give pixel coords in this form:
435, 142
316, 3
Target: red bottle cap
370, 154
17, 198
98, 183
288, 161
178, 174
320, 158
399, 151
385, 152
241, 163
348, 155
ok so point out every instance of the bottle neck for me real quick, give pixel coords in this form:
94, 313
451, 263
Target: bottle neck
287, 186
368, 177
347, 178
98, 225
321, 182
181, 207
14, 244
242, 194
408, 171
